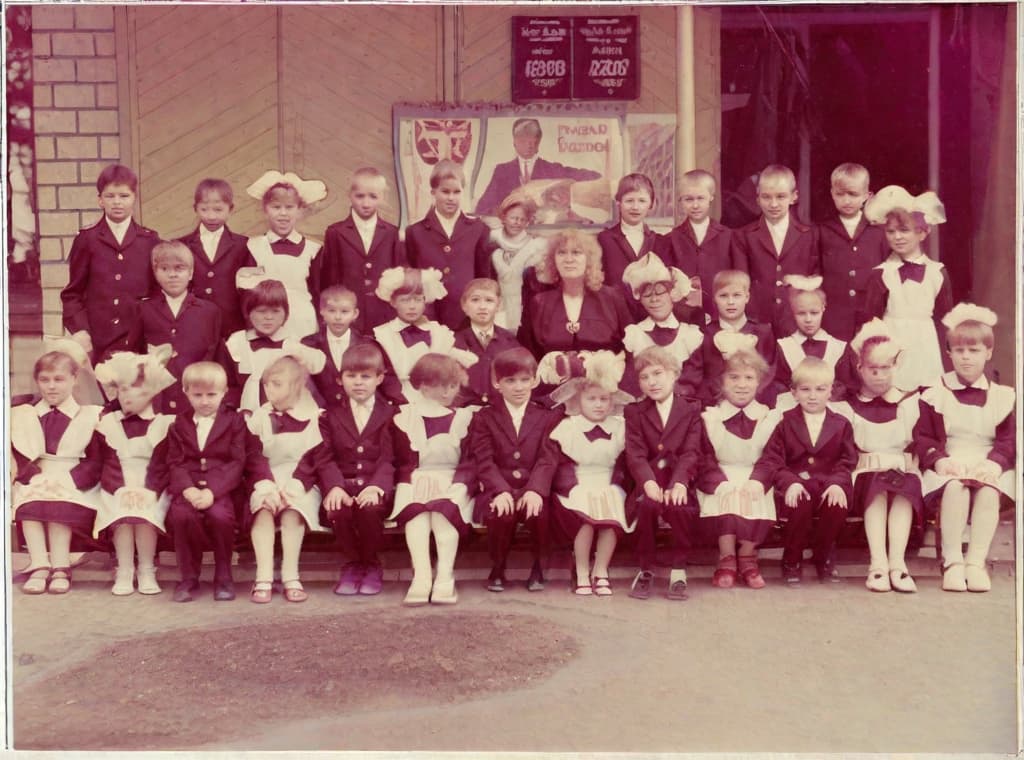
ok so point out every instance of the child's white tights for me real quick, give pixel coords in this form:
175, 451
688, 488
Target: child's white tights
895, 521
606, 540
129, 539
956, 506
264, 529
36, 535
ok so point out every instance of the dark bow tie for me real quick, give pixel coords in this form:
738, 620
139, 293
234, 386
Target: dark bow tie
286, 247
55, 422
740, 425
815, 348
597, 432
264, 341
411, 335
971, 395
134, 426
438, 425
911, 271
282, 422
662, 336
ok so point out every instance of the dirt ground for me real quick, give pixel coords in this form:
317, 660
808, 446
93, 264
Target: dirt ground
816, 669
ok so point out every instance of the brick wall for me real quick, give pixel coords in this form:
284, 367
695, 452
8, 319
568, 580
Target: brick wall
76, 122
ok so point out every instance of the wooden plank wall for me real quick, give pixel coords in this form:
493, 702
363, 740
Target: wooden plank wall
221, 91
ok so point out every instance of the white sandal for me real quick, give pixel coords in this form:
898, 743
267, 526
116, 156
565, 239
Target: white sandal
902, 580
36, 582
878, 580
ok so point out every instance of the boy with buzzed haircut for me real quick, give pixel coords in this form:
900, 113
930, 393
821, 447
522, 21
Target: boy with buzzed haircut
109, 269
700, 246
361, 246
776, 245
175, 317
850, 248
338, 312
481, 301
217, 252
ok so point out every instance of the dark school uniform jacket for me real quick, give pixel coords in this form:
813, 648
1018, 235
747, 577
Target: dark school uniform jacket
679, 249
214, 281
352, 460
846, 265
479, 389
106, 280
667, 454
754, 253
617, 254
230, 454
327, 386
702, 372
460, 258
346, 262
789, 457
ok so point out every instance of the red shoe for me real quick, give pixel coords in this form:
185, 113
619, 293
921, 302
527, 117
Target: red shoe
750, 572
725, 574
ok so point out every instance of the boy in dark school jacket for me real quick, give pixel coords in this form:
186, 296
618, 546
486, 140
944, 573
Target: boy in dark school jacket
209, 450
338, 312
774, 246
360, 247
850, 248
218, 253
109, 269
702, 372
662, 450
446, 239
481, 301
515, 460
357, 471
808, 460
700, 246
177, 318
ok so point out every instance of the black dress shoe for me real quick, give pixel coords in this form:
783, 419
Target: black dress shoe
495, 582
184, 591
536, 580
223, 591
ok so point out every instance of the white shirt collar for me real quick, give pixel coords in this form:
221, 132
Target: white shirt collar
211, 235
799, 337
343, 338
305, 408
920, 258
632, 229
726, 326
953, 382
670, 322
447, 224
175, 302
69, 407
755, 410
851, 224
430, 408
279, 334
892, 395
665, 407
118, 228
517, 412
367, 405
701, 225
364, 224
293, 237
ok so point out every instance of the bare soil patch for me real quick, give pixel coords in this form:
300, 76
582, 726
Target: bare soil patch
184, 688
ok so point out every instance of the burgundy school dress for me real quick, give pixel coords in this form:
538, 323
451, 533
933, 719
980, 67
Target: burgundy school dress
681, 340
347, 261
883, 429
732, 440
296, 262
617, 253
846, 264
460, 258
213, 279
794, 348
57, 454
106, 280
434, 471
133, 481
248, 354
680, 249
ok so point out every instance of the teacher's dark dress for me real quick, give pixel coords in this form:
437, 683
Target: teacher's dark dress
602, 324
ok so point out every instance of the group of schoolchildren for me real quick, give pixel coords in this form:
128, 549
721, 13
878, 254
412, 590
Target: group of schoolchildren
780, 371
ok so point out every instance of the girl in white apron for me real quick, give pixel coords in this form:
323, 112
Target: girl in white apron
282, 253
590, 501
57, 468
886, 481
908, 289
433, 473
133, 501
737, 509
288, 429
966, 443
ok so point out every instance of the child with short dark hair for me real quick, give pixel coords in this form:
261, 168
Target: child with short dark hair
288, 428
662, 451
249, 352
775, 245
283, 253
339, 311
133, 441
361, 246
217, 252
57, 468
850, 248
808, 460
482, 301
446, 239
189, 325
434, 473
700, 246
733, 436
909, 290
625, 242
965, 440
109, 269
515, 462
357, 470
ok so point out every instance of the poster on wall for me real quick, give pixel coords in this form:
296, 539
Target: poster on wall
605, 58
567, 159
542, 58
651, 150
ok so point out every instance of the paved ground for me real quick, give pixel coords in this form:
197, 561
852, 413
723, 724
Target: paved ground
821, 668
